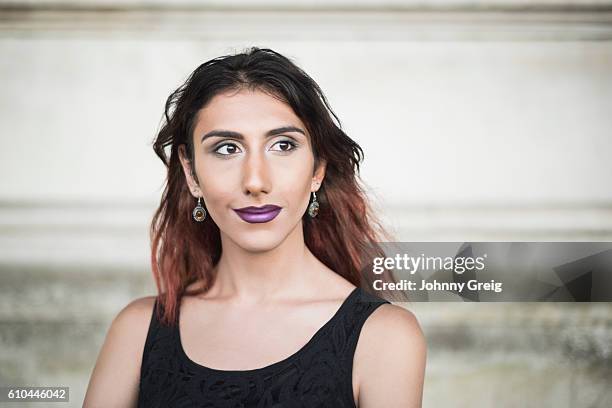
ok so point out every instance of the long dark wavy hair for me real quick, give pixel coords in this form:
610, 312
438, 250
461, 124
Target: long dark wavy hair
344, 235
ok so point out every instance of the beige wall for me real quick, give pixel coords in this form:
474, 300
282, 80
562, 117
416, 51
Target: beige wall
479, 121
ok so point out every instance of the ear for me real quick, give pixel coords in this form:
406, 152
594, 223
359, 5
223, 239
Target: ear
319, 175
188, 171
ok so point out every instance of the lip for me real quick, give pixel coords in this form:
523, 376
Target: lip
258, 210
255, 215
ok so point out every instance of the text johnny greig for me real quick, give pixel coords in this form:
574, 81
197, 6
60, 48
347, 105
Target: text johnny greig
412, 264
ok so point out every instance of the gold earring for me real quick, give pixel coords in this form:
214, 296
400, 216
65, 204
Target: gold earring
199, 212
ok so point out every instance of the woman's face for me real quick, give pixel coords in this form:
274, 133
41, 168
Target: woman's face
251, 150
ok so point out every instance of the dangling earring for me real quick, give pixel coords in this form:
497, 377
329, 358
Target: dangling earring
313, 208
199, 213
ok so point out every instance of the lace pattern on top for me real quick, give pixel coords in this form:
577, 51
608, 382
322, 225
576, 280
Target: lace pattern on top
317, 375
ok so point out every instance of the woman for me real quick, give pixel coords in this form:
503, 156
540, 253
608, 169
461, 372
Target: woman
258, 242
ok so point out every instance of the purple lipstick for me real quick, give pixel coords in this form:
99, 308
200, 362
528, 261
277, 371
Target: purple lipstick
256, 215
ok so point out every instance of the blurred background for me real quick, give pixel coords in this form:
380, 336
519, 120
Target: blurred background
480, 121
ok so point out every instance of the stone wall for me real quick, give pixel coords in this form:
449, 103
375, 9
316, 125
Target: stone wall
480, 121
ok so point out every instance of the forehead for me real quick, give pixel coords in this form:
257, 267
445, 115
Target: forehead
245, 111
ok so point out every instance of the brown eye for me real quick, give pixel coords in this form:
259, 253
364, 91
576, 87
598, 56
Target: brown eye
231, 149
285, 145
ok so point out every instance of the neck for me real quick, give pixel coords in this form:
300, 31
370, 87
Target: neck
263, 275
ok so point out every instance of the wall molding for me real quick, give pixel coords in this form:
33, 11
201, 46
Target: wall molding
335, 21
305, 5
116, 234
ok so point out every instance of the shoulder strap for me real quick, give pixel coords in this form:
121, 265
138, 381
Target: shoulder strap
151, 333
365, 304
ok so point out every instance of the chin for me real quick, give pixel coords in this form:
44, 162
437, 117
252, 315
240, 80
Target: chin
260, 241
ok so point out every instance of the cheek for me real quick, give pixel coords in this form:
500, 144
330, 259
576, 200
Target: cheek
218, 189
217, 185
294, 170
295, 184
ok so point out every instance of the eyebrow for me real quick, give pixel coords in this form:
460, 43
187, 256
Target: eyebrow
239, 136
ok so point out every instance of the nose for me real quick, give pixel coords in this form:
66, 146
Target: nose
256, 177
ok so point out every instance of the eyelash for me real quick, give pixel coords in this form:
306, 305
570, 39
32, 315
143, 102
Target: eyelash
290, 142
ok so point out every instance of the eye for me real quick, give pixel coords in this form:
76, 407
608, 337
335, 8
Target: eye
285, 145
231, 149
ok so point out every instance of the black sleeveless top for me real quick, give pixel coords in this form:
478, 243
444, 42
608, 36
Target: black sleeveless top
317, 375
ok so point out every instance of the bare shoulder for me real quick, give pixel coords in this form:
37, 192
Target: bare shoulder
130, 326
138, 311
393, 320
390, 359
394, 330
132, 322
117, 367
